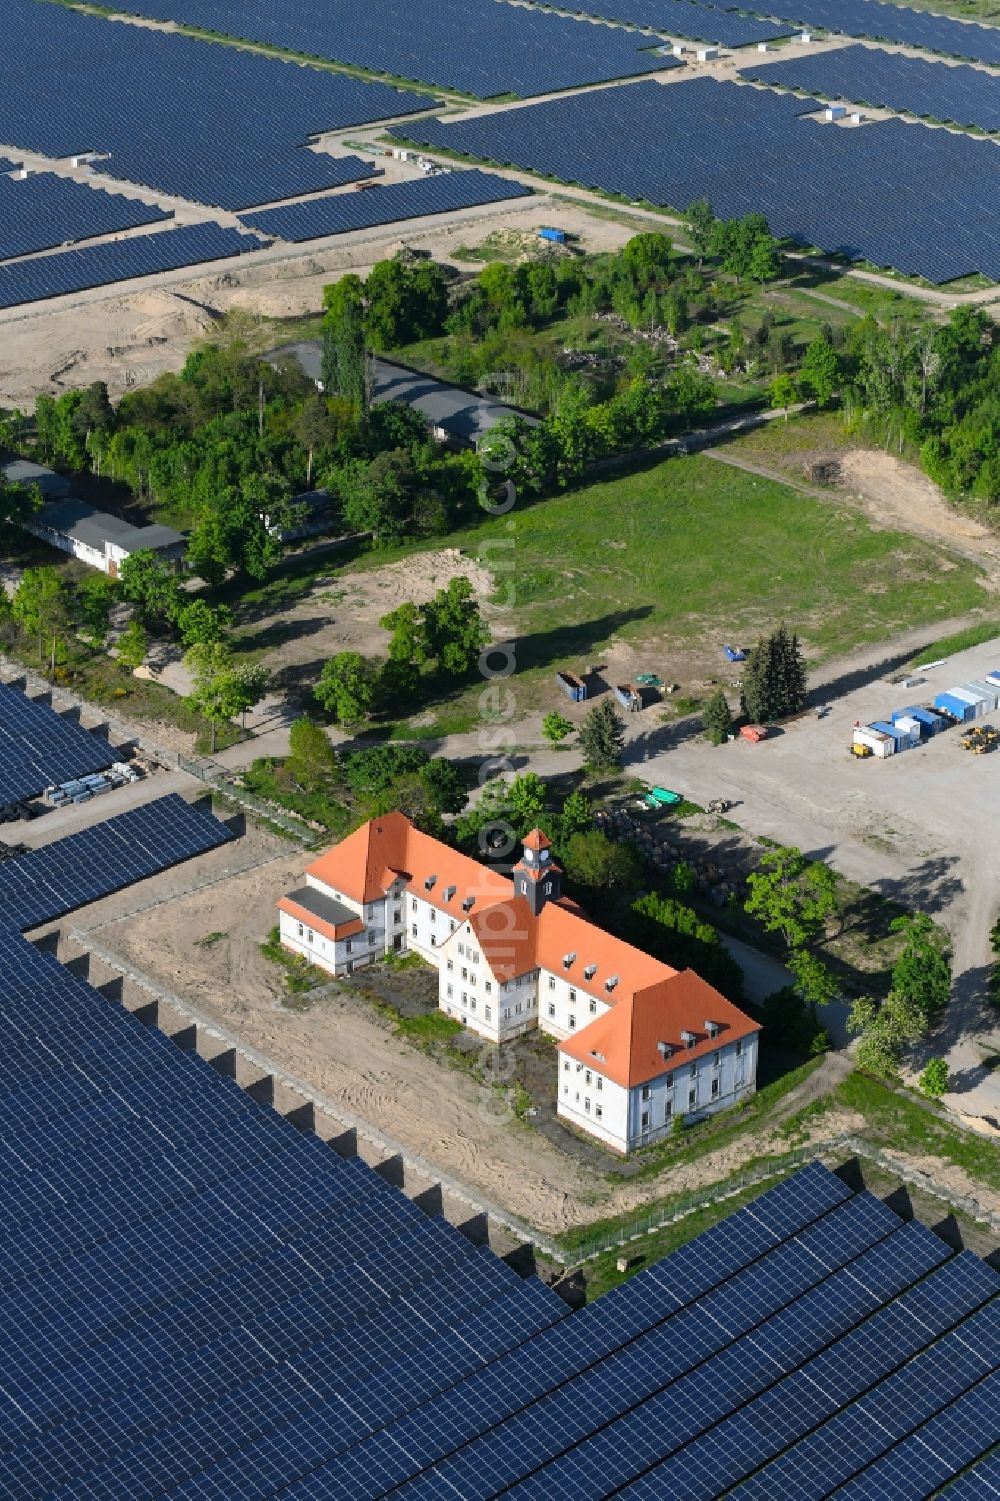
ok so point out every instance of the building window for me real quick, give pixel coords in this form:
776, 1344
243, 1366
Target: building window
349, 946
475, 957
552, 982
565, 1089
454, 925
518, 1006
489, 987
645, 1120
433, 942
489, 1013
310, 936
668, 1110
588, 1076
739, 1048
572, 1022
397, 915
472, 1004
461, 949
465, 974
717, 1058
413, 904
299, 929
694, 1070
552, 1012
449, 990
473, 979
692, 1098
433, 914
586, 1104
465, 998
598, 1111
572, 994
547, 888
646, 1092
576, 1098
413, 930
715, 1089
600, 1082
451, 964
593, 1008
669, 1081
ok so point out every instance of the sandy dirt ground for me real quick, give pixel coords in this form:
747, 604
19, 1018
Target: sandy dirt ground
341, 1048
128, 339
900, 496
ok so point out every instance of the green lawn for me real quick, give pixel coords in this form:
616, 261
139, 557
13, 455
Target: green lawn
694, 552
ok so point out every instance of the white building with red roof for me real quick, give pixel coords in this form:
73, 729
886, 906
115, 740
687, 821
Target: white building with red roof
639, 1044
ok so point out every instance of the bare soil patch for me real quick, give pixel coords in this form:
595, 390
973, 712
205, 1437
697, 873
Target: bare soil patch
899, 496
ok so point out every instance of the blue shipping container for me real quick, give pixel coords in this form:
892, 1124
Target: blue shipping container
558, 235
930, 724
885, 728
956, 707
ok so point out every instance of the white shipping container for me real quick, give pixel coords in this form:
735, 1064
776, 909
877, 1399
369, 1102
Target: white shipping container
912, 728
988, 691
879, 744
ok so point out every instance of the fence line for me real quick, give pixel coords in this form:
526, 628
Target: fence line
222, 781
679, 1209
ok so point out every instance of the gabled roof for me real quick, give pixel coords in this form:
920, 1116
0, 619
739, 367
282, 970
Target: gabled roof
363, 866
623, 1044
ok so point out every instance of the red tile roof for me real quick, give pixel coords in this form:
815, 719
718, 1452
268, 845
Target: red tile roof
623, 1043
649, 1001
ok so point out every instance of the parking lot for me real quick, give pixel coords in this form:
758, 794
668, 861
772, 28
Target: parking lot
922, 826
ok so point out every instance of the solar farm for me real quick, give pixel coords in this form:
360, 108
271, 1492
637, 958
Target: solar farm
864, 75
38, 747
136, 161
203, 1301
758, 151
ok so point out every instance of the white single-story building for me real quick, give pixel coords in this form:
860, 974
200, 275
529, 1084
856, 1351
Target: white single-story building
101, 540
639, 1043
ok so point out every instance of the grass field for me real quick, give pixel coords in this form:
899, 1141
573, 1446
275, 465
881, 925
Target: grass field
675, 559
690, 549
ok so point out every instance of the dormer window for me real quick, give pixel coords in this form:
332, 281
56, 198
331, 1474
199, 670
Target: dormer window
430, 882
664, 1049
468, 904
688, 1039
611, 982
568, 960
449, 892
590, 972
712, 1028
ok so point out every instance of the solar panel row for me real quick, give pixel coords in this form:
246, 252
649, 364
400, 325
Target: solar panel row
397, 201
846, 191
479, 47
43, 211
891, 23
218, 125
47, 883
864, 75
233, 1274
119, 260
682, 18
38, 747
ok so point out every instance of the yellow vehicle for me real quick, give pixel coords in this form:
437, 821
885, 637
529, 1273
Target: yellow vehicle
861, 751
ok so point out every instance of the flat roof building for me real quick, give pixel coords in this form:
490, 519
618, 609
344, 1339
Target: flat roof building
101, 540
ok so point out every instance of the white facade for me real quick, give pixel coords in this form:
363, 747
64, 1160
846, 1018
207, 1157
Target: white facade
642, 1115
497, 978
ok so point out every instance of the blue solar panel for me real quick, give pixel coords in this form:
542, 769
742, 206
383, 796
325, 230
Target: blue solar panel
682, 18
479, 47
864, 75
384, 205
892, 23
119, 260
219, 125
857, 1434
49, 882
38, 746
747, 150
916, 1467
981, 1483
43, 211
